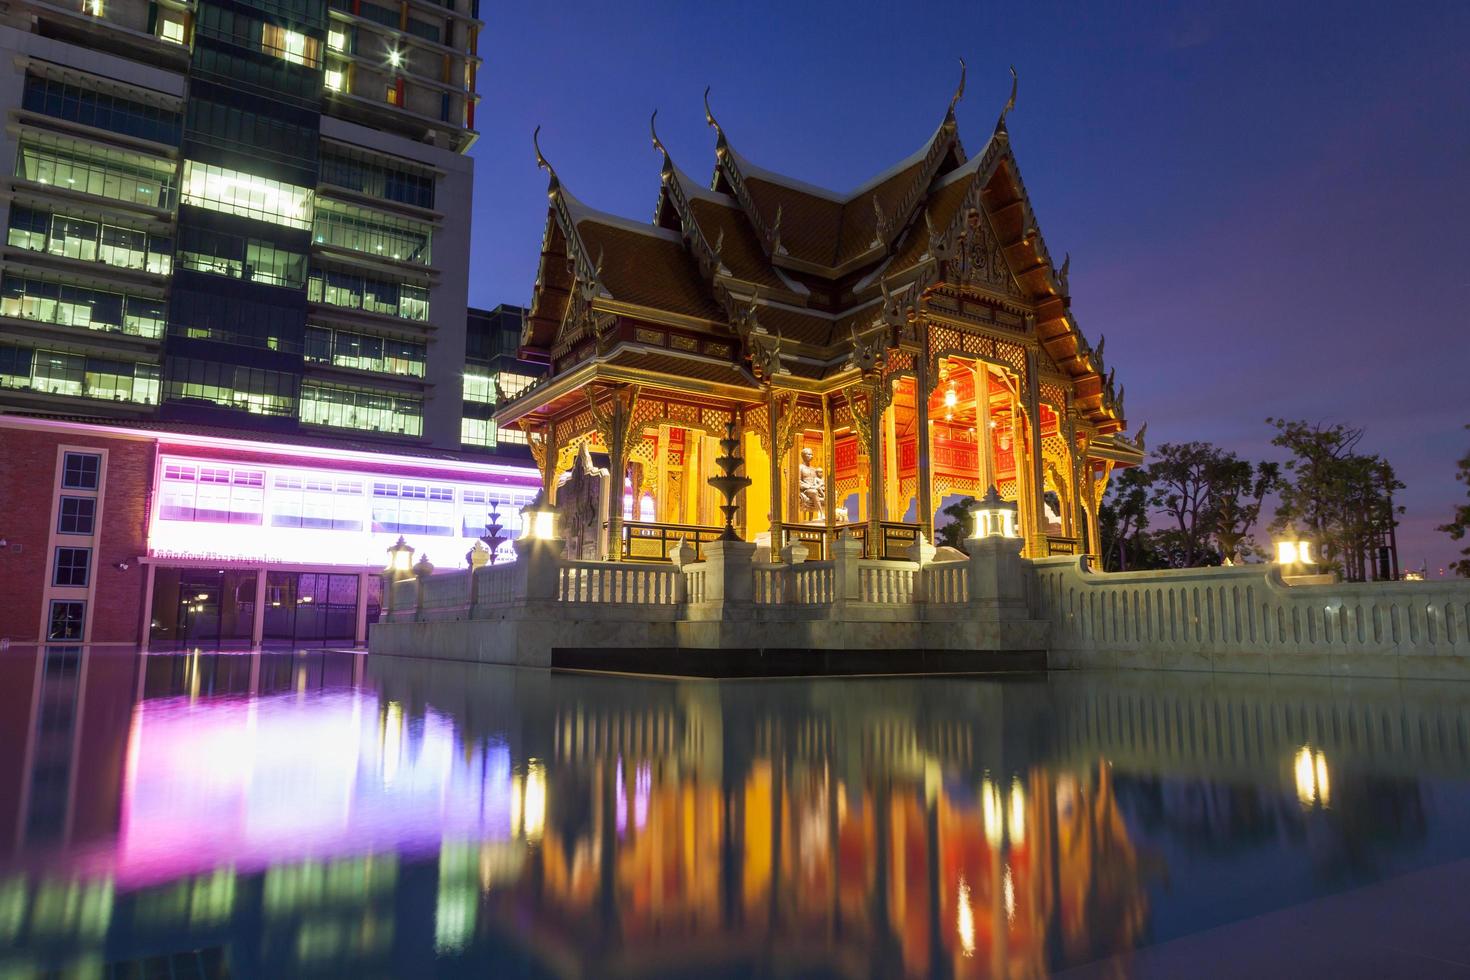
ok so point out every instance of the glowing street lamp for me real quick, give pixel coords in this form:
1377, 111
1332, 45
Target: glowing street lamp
994, 517
1293, 549
400, 559
538, 522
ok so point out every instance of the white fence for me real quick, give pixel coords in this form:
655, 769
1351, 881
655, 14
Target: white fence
1227, 611
624, 583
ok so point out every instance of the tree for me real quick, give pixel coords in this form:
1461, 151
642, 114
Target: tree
1343, 498
960, 526
1122, 522
1184, 478
1238, 492
1460, 523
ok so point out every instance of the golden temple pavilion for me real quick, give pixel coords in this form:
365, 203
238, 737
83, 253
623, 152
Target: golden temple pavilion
882, 353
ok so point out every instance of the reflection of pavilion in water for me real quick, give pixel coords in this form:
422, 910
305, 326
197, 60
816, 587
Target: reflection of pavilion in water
885, 828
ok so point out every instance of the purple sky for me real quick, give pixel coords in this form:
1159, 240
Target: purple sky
1266, 206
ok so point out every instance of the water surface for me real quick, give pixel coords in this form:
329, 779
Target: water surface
318, 813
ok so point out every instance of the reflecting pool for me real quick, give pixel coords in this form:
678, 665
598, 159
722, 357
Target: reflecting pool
314, 813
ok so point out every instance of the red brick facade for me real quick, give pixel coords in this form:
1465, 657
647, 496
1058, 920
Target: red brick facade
27, 500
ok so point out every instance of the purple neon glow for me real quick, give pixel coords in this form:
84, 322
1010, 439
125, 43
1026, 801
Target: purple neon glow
230, 510
277, 780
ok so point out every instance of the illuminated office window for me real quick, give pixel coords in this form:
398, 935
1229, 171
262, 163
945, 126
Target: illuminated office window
353, 408
335, 80
235, 192
171, 29
369, 293
364, 352
113, 174
372, 233
79, 306
292, 46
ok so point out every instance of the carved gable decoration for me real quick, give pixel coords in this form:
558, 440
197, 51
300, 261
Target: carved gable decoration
979, 260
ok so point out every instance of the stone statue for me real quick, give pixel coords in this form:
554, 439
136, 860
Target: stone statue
811, 485
582, 506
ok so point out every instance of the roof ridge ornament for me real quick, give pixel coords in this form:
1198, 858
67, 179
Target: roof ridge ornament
543, 163
959, 92
1000, 124
709, 119
653, 132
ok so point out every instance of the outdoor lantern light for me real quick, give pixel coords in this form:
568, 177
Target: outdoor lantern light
1293, 549
400, 558
539, 522
994, 517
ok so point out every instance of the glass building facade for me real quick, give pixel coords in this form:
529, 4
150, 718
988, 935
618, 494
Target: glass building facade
237, 213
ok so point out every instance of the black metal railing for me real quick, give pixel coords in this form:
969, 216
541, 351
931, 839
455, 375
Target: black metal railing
645, 541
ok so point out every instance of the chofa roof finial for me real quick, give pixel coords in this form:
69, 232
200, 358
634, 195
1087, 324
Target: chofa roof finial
709, 118
959, 92
1000, 124
542, 162
653, 131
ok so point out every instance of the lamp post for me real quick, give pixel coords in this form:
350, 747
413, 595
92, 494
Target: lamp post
995, 517
399, 567
1292, 549
538, 522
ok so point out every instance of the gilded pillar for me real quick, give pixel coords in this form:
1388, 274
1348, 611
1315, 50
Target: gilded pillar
1025, 514
985, 456
617, 472
773, 426
876, 490
1038, 484
829, 462
921, 408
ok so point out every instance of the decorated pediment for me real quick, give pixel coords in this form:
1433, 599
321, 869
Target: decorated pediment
979, 259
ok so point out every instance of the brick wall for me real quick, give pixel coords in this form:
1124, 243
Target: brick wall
27, 473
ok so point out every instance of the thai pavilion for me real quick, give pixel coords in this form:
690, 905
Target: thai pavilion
881, 353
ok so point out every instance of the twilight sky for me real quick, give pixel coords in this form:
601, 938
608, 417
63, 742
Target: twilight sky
1267, 205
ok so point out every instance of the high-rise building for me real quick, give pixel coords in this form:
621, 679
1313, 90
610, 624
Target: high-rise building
494, 371
241, 214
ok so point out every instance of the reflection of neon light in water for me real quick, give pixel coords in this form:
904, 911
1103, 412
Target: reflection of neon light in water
392, 740
965, 918
642, 790
269, 781
620, 800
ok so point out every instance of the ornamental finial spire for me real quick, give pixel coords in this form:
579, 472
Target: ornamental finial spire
1000, 124
653, 132
542, 162
959, 92
709, 118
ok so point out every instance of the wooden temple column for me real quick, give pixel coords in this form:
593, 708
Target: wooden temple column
1025, 514
1038, 484
921, 408
985, 457
829, 463
773, 424
877, 492
1078, 515
616, 455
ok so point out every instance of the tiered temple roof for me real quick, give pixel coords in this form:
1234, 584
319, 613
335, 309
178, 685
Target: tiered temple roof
758, 253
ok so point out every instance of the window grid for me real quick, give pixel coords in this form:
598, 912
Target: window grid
368, 293
364, 352
89, 241
77, 515
236, 192
71, 567
101, 110
351, 408
78, 306
376, 180
366, 231
80, 471
254, 390
111, 174
67, 620
58, 373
